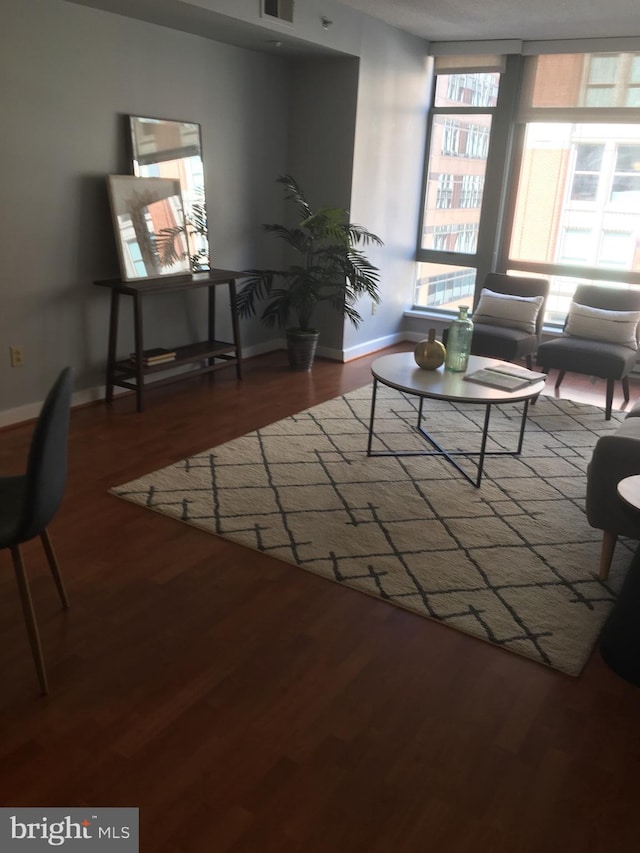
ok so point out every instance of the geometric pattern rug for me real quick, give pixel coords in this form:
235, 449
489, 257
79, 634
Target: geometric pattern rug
514, 562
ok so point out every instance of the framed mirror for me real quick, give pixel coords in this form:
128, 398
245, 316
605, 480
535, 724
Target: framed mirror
150, 228
163, 148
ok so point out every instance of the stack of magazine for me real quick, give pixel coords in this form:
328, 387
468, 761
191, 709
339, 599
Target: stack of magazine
505, 376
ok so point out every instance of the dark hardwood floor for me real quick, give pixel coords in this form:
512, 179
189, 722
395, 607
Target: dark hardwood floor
247, 706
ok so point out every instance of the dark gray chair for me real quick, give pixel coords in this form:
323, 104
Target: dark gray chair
501, 341
28, 502
615, 456
606, 360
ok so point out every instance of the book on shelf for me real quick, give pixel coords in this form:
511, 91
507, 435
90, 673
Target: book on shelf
505, 377
158, 355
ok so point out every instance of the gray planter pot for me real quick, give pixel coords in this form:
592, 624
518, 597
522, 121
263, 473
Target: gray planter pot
301, 347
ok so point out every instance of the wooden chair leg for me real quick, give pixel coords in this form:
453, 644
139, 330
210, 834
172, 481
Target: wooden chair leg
609, 400
559, 379
53, 565
625, 388
29, 616
606, 554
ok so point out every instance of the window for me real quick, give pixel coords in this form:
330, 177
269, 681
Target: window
450, 138
613, 80
601, 83
578, 194
568, 208
444, 197
471, 191
616, 249
595, 223
575, 246
587, 171
476, 141
459, 134
625, 188
439, 286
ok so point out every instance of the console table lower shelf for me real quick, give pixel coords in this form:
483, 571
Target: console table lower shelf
206, 357
190, 360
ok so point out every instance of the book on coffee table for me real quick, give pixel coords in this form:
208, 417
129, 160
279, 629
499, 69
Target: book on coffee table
516, 370
504, 378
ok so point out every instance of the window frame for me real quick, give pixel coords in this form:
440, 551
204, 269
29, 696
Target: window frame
525, 115
496, 170
509, 119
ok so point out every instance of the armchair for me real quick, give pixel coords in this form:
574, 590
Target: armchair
599, 338
508, 328
614, 457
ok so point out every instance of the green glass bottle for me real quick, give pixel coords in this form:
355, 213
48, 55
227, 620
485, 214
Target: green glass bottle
459, 342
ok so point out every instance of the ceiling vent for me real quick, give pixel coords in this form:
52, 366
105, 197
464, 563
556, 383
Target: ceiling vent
277, 10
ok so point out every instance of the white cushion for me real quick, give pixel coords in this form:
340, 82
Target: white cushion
502, 309
598, 324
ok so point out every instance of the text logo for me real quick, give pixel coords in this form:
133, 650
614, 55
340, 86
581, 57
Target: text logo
99, 829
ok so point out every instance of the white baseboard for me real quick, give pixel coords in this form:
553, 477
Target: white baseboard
375, 345
30, 411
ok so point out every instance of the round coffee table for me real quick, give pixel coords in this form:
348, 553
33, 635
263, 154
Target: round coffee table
629, 490
401, 372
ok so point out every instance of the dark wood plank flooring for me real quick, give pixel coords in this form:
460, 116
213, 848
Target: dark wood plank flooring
247, 706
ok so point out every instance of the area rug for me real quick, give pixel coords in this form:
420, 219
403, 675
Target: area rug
514, 562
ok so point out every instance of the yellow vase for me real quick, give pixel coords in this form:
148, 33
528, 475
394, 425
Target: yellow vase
429, 354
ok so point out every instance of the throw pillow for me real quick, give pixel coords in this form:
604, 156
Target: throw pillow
503, 309
599, 324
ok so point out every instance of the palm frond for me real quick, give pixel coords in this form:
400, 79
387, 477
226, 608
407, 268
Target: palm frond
258, 285
293, 192
166, 245
333, 267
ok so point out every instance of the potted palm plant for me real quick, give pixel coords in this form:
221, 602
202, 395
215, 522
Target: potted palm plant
329, 265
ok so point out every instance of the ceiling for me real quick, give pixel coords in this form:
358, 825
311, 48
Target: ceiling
433, 20
473, 20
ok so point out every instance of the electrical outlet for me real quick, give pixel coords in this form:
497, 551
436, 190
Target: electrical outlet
17, 356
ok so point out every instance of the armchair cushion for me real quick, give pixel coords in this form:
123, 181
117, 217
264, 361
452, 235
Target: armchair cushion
501, 309
598, 324
593, 358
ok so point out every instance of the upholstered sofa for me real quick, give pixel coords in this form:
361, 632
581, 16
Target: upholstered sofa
615, 457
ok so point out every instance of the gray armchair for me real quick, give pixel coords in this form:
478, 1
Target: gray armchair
615, 457
501, 339
606, 359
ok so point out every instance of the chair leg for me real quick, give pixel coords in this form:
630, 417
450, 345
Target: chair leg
606, 554
29, 617
625, 388
559, 379
529, 361
53, 565
609, 402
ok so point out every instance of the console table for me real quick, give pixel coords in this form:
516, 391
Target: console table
211, 353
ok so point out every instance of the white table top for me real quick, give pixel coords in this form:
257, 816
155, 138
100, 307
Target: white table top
401, 372
629, 490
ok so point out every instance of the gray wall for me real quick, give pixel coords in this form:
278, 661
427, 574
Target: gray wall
350, 130
321, 143
68, 83
388, 167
